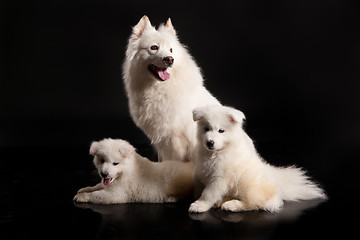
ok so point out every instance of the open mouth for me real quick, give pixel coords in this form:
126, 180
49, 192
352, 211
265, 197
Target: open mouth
159, 72
107, 181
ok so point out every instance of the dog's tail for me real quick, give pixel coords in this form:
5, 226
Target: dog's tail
295, 185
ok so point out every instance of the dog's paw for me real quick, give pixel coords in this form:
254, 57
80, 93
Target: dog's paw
81, 197
199, 206
233, 206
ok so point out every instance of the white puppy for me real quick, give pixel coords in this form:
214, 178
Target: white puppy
234, 175
163, 86
129, 177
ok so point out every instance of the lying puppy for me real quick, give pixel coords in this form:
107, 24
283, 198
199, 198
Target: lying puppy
235, 177
128, 177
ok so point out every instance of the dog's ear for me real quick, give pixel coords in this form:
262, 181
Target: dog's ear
236, 116
126, 149
169, 26
198, 113
94, 148
141, 26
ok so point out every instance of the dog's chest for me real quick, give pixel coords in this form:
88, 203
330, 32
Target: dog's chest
164, 106
209, 167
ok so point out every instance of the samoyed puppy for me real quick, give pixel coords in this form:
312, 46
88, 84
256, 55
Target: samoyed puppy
233, 174
163, 86
128, 177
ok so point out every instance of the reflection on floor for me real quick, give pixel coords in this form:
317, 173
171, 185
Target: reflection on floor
164, 220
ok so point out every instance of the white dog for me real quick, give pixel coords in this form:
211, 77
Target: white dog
163, 85
234, 175
129, 177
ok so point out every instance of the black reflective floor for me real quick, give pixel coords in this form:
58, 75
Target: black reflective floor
37, 185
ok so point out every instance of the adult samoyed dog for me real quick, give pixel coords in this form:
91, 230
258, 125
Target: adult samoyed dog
163, 85
128, 177
234, 176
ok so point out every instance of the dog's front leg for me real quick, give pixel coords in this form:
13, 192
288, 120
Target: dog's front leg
97, 187
102, 196
211, 194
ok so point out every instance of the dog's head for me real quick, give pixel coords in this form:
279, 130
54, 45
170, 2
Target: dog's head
216, 125
111, 158
154, 50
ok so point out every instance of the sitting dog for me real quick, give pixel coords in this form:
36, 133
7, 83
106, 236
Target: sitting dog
128, 177
234, 176
163, 84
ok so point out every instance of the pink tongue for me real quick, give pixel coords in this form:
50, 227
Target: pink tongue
164, 75
107, 181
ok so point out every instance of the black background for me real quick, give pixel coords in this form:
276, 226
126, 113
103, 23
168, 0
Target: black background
291, 66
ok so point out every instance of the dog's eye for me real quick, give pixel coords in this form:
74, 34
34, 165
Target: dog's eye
221, 130
154, 47
115, 163
102, 160
206, 129
171, 50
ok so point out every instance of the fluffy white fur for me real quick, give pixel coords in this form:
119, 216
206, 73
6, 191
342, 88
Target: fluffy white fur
161, 103
129, 177
234, 176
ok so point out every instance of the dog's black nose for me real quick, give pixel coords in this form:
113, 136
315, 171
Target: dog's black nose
104, 175
210, 144
168, 60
